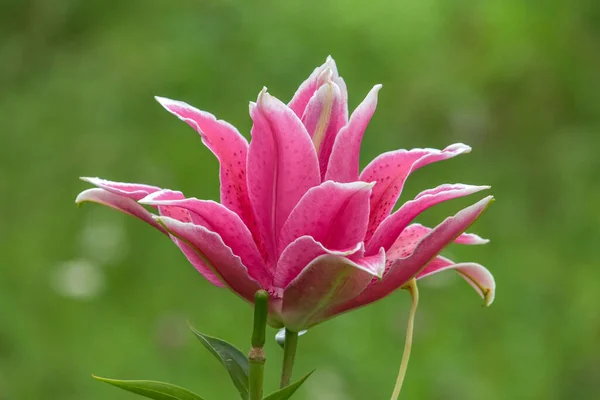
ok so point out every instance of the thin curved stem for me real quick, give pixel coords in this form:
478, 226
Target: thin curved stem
414, 293
289, 354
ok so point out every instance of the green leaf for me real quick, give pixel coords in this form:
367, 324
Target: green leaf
288, 391
152, 389
232, 359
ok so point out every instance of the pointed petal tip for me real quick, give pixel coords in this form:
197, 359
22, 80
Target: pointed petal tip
486, 200
489, 295
330, 62
459, 148
478, 239
325, 77
381, 267
83, 197
91, 179
452, 187
262, 95
166, 103
374, 92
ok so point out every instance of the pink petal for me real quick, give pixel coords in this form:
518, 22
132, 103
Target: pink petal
118, 202
325, 115
213, 252
344, 160
411, 253
418, 230
227, 224
123, 203
166, 210
339, 81
325, 283
475, 274
282, 165
183, 215
230, 148
334, 214
300, 253
134, 191
308, 88
391, 227
390, 171
198, 262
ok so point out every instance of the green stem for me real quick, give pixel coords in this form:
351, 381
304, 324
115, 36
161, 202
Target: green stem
289, 354
257, 372
256, 357
414, 293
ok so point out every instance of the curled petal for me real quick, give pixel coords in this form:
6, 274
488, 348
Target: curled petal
300, 253
475, 274
118, 202
334, 214
227, 224
282, 165
134, 191
308, 88
411, 253
128, 205
182, 215
210, 248
419, 231
230, 148
391, 227
326, 282
344, 160
390, 171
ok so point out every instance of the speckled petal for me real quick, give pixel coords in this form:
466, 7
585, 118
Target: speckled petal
343, 162
334, 214
390, 171
282, 166
230, 148
389, 230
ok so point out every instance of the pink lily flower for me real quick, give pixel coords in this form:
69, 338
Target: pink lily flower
297, 217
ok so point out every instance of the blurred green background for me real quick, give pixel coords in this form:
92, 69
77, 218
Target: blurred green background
93, 291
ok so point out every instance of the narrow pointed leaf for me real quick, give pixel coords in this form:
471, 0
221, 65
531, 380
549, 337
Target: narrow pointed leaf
232, 359
152, 389
288, 391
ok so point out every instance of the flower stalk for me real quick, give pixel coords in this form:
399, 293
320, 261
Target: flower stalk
414, 293
289, 354
257, 357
